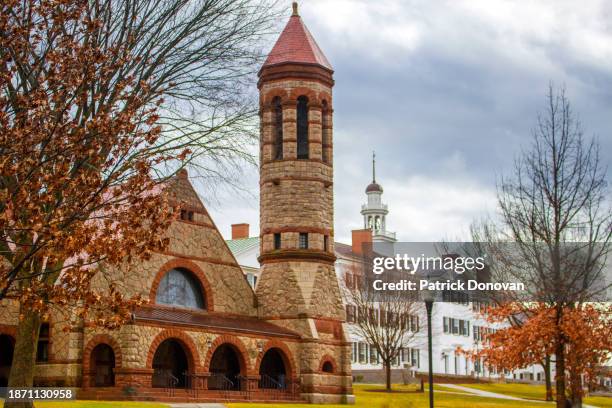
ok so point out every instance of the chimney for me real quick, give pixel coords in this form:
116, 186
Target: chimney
240, 231
360, 237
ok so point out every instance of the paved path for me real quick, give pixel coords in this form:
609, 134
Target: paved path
482, 393
489, 394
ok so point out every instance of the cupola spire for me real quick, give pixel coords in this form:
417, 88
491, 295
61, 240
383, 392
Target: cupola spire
373, 166
295, 9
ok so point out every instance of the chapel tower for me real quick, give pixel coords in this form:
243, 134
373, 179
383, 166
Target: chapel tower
298, 287
375, 212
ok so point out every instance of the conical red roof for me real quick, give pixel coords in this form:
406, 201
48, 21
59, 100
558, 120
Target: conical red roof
296, 44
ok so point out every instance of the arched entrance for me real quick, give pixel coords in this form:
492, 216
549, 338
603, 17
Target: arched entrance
7, 346
102, 366
272, 370
225, 369
170, 364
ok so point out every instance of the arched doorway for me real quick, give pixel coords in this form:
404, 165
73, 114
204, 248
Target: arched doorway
170, 364
225, 369
7, 346
272, 370
103, 366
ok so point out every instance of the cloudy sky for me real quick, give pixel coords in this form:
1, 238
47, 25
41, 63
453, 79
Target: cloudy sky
447, 93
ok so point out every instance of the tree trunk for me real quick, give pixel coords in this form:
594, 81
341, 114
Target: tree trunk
560, 373
24, 357
547, 379
388, 375
576, 390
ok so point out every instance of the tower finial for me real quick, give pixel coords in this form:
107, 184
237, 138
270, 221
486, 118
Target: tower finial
373, 166
295, 9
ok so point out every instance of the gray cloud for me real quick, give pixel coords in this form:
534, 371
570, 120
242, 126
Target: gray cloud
446, 92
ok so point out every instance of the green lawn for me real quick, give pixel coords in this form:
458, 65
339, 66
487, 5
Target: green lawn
534, 392
602, 402
97, 404
370, 396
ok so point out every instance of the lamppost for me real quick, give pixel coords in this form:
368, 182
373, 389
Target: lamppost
428, 297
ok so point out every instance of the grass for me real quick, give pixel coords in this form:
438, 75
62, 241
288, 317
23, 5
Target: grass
369, 396
602, 402
533, 392
96, 404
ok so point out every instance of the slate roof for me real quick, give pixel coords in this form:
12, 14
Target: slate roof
194, 318
296, 44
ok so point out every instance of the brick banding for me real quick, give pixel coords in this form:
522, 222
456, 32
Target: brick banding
296, 255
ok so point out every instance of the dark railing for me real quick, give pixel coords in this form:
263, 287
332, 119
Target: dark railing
165, 379
267, 382
278, 388
229, 386
236, 387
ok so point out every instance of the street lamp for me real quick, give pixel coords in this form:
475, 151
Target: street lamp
428, 297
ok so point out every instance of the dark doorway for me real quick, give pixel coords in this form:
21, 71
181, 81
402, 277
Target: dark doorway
103, 366
272, 370
7, 346
170, 365
224, 369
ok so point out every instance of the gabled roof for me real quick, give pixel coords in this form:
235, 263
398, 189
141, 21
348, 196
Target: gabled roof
184, 192
296, 44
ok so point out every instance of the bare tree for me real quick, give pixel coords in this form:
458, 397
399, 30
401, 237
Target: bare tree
555, 210
387, 320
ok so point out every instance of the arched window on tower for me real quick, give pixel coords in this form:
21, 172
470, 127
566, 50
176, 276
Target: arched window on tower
302, 127
325, 132
278, 128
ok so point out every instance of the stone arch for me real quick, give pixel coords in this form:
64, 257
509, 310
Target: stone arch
328, 365
285, 354
312, 96
237, 345
273, 93
186, 359
194, 269
183, 339
87, 355
325, 97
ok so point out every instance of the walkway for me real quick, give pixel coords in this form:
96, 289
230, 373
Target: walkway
488, 394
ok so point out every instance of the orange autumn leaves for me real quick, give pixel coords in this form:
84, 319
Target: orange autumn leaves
584, 329
78, 189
